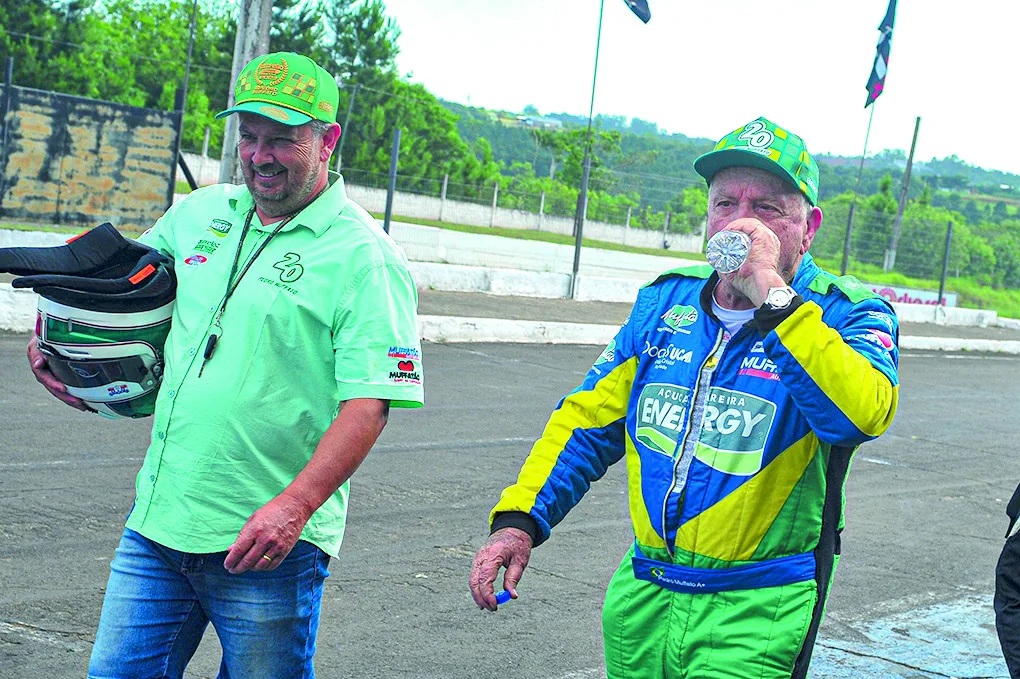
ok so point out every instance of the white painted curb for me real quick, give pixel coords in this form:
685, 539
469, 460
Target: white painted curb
464, 329
951, 344
18, 307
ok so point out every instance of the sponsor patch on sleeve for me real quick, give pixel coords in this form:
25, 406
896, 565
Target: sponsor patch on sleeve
405, 372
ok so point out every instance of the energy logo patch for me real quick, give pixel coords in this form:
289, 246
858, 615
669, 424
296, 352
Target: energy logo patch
661, 416
733, 431
219, 227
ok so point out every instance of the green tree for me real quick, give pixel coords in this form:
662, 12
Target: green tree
603, 145
689, 208
553, 141
925, 198
873, 223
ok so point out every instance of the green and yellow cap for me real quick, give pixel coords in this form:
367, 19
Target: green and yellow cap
764, 145
286, 87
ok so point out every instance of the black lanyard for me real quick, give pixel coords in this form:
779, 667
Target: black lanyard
210, 344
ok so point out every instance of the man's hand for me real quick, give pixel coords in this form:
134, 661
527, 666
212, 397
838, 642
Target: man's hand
761, 270
37, 360
507, 547
272, 531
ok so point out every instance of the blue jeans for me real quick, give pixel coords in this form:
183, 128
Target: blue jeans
159, 601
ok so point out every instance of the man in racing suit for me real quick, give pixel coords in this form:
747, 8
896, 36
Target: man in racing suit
738, 400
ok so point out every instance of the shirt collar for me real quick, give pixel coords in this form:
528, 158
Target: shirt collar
316, 217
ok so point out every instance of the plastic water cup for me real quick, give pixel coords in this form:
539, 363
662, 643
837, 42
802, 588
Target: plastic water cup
728, 250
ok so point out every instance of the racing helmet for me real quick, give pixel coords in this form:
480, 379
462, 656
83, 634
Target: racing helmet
105, 304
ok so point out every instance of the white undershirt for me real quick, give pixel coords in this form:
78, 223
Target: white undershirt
732, 319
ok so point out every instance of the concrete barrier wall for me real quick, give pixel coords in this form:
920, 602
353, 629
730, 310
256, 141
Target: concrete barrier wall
432, 244
457, 212
17, 307
206, 171
927, 313
71, 160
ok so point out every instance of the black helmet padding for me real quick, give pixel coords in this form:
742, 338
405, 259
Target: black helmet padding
100, 270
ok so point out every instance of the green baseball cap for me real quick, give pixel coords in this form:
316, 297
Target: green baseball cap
286, 87
764, 145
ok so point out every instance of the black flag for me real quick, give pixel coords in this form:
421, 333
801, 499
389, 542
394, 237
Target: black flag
876, 83
640, 7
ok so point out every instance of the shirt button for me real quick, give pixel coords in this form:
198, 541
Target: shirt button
152, 478
191, 352
172, 393
212, 308
161, 435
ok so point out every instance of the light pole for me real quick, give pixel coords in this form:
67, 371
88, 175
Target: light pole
582, 197
640, 9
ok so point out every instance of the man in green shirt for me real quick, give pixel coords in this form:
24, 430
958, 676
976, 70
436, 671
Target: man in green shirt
293, 333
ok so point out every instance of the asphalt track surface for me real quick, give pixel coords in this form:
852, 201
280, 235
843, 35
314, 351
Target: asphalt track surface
912, 595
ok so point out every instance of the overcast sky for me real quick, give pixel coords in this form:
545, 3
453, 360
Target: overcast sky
704, 68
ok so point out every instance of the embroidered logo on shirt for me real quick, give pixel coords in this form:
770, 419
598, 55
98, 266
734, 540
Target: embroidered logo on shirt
207, 246
607, 354
679, 316
405, 373
219, 227
195, 260
759, 366
289, 268
734, 429
880, 339
661, 416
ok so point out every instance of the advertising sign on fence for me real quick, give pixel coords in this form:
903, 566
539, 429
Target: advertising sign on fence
911, 295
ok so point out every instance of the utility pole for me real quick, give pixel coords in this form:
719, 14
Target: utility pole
894, 240
251, 41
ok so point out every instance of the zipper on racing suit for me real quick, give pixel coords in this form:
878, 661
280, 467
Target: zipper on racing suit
682, 445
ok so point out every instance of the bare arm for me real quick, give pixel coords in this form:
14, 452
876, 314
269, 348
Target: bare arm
273, 530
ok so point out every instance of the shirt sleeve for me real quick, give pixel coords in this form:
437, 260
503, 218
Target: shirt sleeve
584, 436
160, 236
841, 367
376, 345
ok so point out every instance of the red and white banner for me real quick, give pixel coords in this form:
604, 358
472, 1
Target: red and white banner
911, 295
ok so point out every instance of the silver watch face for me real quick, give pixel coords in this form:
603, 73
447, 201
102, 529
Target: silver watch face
780, 298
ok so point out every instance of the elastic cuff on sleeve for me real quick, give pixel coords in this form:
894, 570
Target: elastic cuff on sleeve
766, 320
518, 520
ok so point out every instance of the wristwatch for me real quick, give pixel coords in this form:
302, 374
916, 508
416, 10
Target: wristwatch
779, 298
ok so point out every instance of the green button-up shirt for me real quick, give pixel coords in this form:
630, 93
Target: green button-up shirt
326, 313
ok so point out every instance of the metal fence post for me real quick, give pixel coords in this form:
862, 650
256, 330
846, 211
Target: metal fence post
442, 196
945, 262
179, 102
626, 225
541, 209
495, 195
582, 211
394, 155
849, 235
5, 121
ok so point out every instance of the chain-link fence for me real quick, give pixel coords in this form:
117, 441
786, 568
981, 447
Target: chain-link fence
626, 222
919, 252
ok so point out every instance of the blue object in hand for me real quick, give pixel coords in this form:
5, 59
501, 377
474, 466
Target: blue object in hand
502, 596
